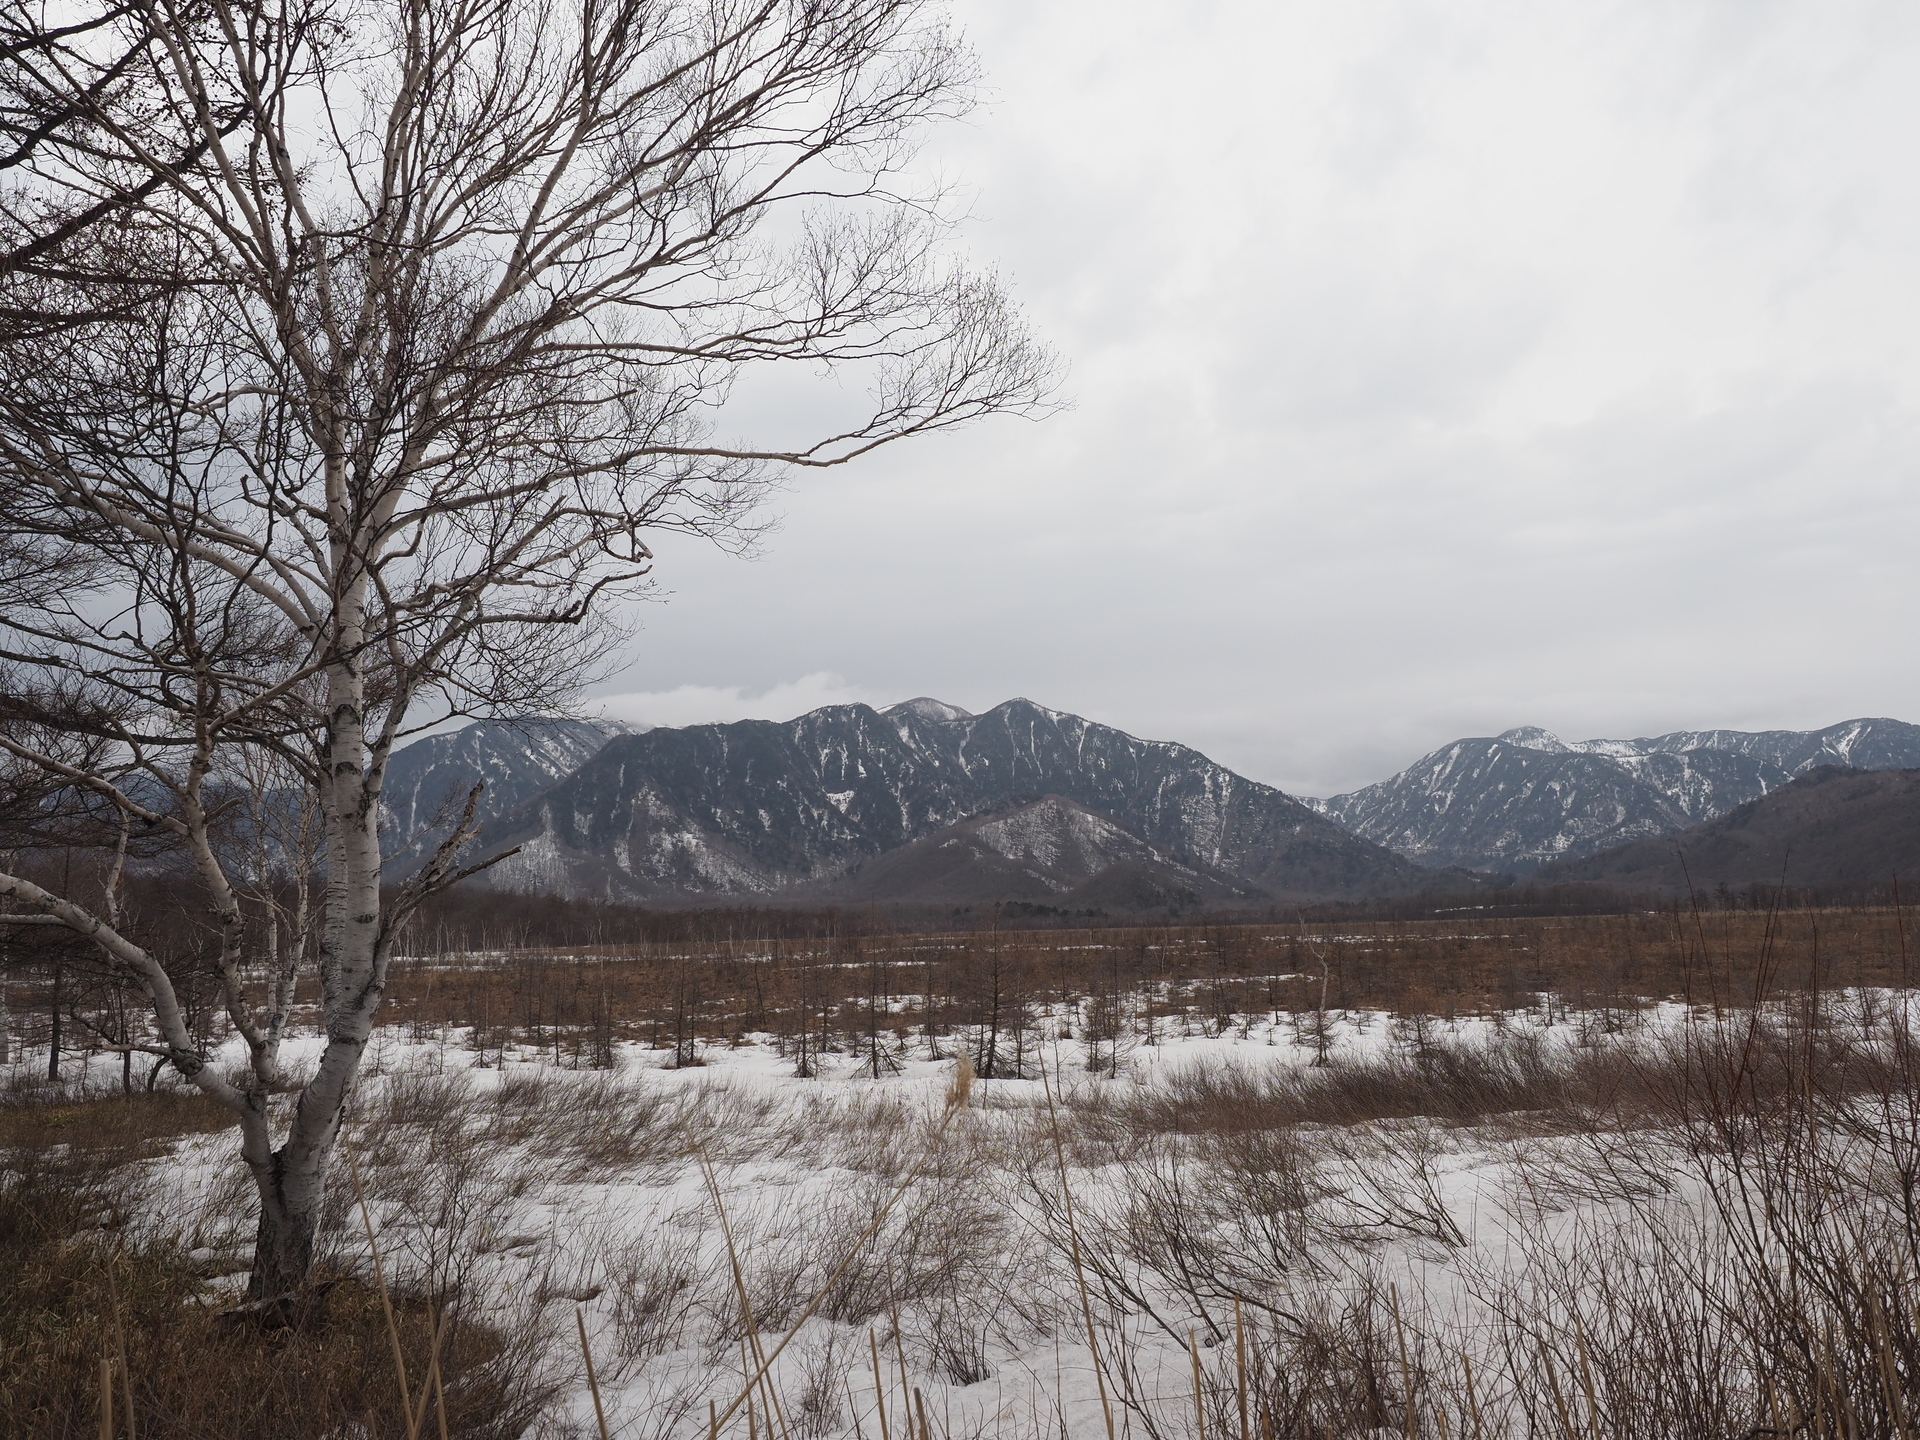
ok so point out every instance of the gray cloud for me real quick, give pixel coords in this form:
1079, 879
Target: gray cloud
1438, 368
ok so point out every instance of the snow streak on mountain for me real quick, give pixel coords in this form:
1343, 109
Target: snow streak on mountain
427, 783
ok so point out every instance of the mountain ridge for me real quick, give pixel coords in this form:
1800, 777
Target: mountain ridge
426, 783
1525, 797
1832, 828
1050, 850
758, 807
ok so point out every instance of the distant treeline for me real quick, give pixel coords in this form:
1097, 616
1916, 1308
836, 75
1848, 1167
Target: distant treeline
474, 918
166, 909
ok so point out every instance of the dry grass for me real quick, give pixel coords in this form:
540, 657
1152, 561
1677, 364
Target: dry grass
81, 1286
882, 997
1715, 1225
106, 1132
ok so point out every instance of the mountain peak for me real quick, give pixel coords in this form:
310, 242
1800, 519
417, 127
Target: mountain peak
1532, 737
927, 708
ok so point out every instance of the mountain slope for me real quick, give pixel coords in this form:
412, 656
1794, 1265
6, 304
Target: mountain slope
1831, 828
757, 806
427, 783
1051, 850
1518, 800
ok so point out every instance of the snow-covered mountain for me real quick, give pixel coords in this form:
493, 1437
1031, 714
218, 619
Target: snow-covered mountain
1830, 829
427, 783
1518, 800
758, 807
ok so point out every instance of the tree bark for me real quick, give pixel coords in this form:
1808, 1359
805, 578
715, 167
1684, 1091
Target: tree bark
292, 1185
290, 1200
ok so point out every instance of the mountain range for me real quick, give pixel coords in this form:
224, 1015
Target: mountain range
926, 802
831, 805
1831, 829
1516, 801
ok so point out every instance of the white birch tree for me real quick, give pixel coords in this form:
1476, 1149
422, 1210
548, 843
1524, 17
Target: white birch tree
441, 303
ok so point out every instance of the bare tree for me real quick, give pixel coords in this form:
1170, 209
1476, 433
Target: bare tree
466, 285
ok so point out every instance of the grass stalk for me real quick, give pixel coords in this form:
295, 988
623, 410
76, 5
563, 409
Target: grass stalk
746, 1375
899, 1343
1406, 1367
593, 1383
1889, 1369
386, 1297
120, 1350
439, 1402
1586, 1381
1559, 1400
775, 1416
1079, 1270
430, 1387
879, 1388
1240, 1367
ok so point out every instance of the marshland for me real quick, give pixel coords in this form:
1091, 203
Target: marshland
1633, 1174
1023, 959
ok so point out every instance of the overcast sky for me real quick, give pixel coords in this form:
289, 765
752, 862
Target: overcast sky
1437, 368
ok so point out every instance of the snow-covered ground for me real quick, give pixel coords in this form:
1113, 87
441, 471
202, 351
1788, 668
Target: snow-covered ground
896, 1249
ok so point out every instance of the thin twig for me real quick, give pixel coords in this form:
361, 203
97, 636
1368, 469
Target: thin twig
1199, 1395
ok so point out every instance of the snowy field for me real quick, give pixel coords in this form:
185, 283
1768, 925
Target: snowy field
1479, 1226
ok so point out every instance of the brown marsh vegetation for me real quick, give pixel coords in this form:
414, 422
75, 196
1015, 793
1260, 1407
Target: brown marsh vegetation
839, 984
1520, 1197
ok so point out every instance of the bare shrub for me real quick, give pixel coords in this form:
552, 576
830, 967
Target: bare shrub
1449, 1078
1385, 1182
875, 1134
823, 1370
1610, 1330
655, 1278
1762, 1287
953, 1333
593, 1126
1335, 1368
1246, 1216
81, 1283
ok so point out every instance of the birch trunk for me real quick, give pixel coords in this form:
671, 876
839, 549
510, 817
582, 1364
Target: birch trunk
291, 1183
395, 436
291, 1180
